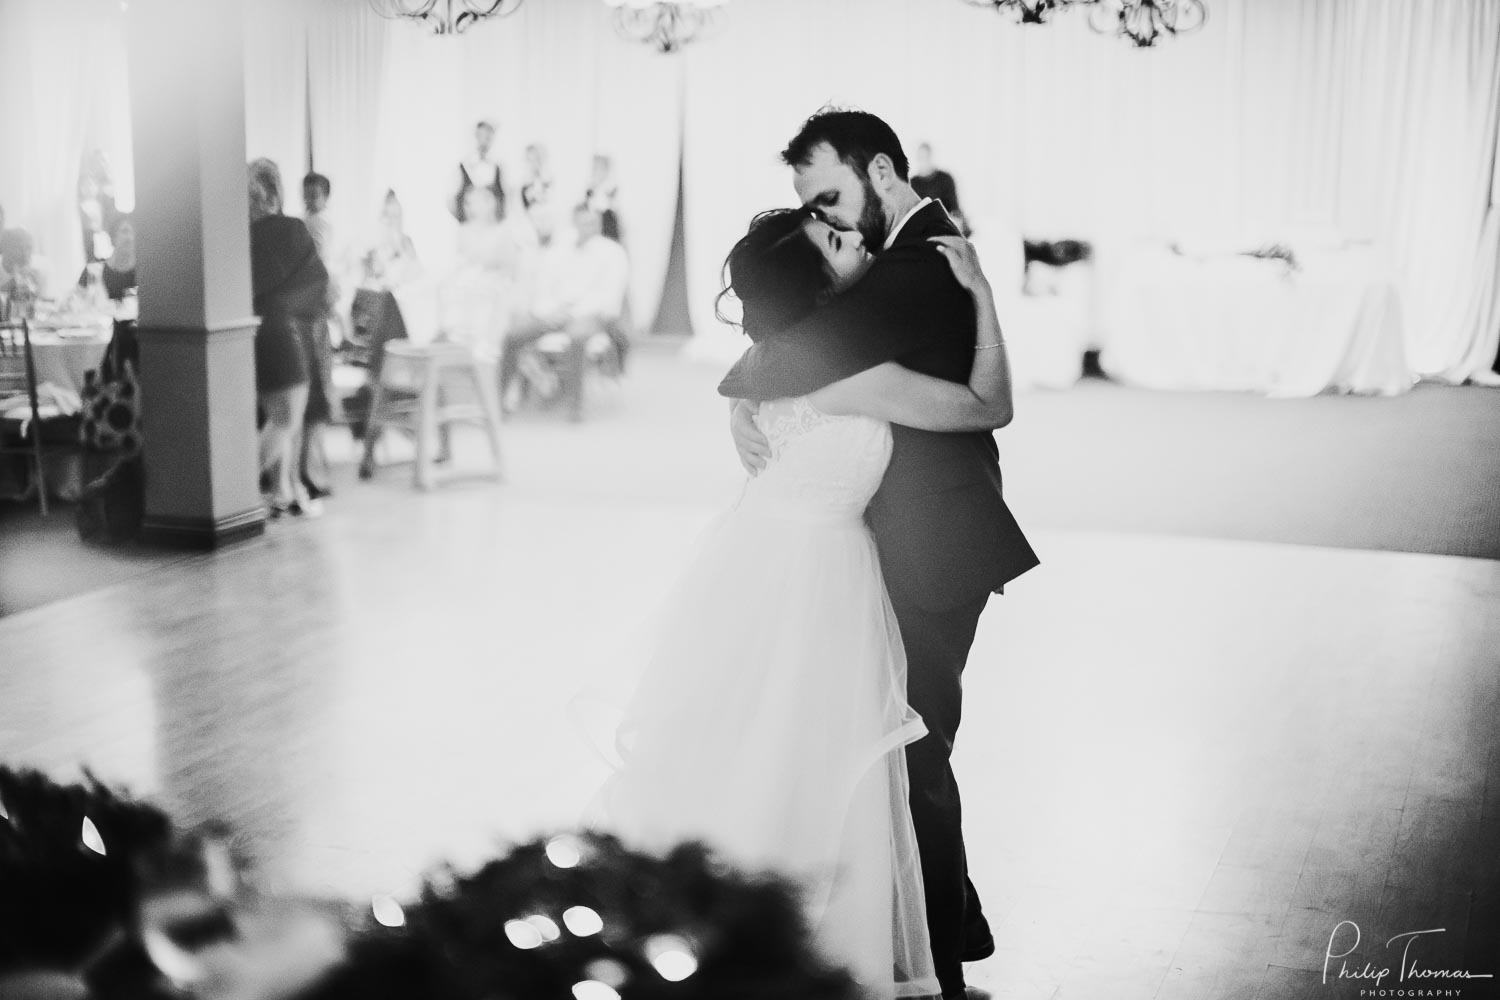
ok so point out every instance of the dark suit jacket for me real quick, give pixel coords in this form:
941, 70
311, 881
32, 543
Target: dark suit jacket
939, 186
940, 519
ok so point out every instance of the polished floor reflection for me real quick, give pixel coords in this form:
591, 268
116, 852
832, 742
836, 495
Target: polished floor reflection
1184, 761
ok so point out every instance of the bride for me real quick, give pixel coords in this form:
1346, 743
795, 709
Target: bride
771, 716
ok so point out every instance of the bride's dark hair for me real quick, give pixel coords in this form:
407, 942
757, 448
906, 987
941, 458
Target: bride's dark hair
776, 272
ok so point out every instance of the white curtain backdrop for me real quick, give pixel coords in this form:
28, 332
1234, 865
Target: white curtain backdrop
346, 48
1393, 108
63, 81
1055, 132
553, 73
1376, 119
1483, 307
276, 88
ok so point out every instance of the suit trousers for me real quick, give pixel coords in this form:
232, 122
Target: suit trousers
937, 646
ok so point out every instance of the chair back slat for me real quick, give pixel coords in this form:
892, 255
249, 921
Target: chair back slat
16, 336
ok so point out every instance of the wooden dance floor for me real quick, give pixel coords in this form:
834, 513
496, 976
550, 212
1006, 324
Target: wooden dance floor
1184, 762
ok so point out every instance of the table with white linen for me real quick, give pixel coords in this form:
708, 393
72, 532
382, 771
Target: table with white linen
63, 350
1241, 323
64, 355
1046, 324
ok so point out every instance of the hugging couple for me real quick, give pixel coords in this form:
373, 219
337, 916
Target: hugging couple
799, 706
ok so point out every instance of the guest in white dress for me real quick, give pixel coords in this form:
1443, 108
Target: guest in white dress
479, 298
770, 717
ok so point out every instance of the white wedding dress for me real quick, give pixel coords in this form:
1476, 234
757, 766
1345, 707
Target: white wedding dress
771, 715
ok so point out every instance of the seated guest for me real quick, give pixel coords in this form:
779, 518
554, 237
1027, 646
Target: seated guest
392, 261
23, 273
290, 288
117, 271
580, 292
97, 212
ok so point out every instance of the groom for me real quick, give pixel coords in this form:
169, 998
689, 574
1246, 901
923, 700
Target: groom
945, 536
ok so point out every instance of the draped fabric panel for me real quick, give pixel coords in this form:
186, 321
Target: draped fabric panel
1372, 119
63, 81
276, 88
554, 74
1056, 132
346, 50
1401, 114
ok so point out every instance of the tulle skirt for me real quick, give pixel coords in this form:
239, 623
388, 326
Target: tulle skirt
768, 721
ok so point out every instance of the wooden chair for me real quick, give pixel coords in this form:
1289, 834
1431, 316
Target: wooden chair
572, 355
374, 320
21, 426
423, 389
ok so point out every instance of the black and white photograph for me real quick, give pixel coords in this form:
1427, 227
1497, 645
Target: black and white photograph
749, 499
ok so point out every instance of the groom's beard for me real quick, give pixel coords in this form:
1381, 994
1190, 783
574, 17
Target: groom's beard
872, 225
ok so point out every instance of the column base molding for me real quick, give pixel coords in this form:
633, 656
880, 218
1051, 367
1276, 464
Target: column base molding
203, 533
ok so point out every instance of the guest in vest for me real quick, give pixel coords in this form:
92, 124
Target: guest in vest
479, 170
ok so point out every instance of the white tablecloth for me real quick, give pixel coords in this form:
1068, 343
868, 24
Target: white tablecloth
1240, 323
63, 357
1045, 334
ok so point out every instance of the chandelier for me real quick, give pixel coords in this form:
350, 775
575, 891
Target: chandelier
666, 25
445, 17
1028, 11
1142, 21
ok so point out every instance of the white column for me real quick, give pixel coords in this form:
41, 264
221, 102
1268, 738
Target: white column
192, 218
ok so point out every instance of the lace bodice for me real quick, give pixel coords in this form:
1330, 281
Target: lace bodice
822, 467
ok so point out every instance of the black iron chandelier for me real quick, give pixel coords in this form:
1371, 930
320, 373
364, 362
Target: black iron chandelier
445, 17
1027, 11
665, 25
1141, 21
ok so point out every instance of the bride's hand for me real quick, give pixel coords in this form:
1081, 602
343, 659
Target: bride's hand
964, 261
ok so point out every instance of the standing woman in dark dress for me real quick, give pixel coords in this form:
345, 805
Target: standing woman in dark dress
290, 287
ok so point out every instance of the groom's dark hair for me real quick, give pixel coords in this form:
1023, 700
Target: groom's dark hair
856, 136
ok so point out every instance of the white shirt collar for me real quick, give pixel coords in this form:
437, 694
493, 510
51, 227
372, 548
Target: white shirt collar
896, 229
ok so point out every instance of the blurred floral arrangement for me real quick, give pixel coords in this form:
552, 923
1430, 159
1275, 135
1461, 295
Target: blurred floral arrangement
1266, 251
1277, 251
66, 894
104, 898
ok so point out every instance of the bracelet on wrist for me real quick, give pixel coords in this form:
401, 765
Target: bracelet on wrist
988, 347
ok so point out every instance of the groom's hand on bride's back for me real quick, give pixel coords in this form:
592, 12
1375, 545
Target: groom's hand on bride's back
753, 448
